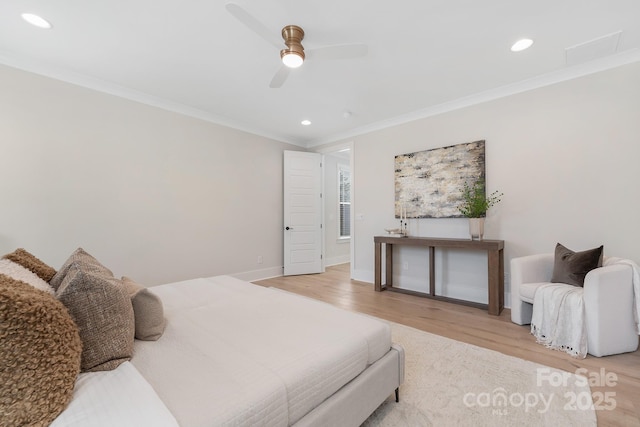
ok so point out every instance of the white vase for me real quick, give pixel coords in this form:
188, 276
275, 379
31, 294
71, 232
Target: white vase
476, 228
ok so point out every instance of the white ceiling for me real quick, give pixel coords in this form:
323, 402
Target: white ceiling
424, 56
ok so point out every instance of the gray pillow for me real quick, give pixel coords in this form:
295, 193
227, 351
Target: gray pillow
82, 258
571, 267
101, 308
147, 310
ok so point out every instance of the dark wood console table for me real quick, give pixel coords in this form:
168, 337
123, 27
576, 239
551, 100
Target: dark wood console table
495, 259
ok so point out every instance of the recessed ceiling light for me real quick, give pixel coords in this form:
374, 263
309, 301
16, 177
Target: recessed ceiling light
36, 20
305, 122
521, 45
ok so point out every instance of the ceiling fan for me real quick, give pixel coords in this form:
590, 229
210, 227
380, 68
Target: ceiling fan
294, 54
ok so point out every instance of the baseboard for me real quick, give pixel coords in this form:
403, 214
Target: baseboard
342, 259
254, 275
268, 273
368, 276
363, 276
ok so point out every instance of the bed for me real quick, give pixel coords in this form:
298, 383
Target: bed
235, 353
299, 361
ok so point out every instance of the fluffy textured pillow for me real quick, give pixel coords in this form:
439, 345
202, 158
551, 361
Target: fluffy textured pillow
18, 272
571, 267
82, 258
147, 310
101, 308
31, 263
39, 355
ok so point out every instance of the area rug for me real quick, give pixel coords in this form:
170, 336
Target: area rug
450, 383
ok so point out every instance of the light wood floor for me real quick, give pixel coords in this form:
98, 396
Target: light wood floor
473, 326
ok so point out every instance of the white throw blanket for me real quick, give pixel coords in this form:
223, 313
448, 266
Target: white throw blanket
558, 313
558, 318
636, 285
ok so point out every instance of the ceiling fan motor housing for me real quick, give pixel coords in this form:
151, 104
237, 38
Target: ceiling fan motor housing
292, 35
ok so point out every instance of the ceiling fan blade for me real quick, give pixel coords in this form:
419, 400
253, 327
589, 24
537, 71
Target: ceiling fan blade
339, 51
253, 24
280, 77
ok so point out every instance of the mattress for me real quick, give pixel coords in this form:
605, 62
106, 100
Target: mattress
234, 353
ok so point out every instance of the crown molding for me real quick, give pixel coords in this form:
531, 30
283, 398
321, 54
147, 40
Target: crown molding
104, 86
569, 73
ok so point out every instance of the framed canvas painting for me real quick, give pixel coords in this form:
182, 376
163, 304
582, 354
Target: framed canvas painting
428, 184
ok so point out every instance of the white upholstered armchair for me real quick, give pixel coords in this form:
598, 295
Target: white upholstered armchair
608, 302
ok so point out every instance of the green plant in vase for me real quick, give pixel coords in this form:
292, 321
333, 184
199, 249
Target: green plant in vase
475, 204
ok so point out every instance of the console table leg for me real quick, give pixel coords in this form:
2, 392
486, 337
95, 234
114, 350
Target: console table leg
378, 268
432, 270
501, 278
389, 265
495, 265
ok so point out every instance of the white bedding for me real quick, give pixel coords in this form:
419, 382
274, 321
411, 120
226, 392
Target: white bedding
121, 397
234, 353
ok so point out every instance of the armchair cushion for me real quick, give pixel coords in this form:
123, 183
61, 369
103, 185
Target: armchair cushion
528, 291
571, 267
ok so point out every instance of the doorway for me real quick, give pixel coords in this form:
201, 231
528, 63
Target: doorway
338, 199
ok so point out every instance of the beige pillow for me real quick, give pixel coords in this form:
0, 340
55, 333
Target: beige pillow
31, 263
101, 308
82, 258
147, 310
39, 355
18, 272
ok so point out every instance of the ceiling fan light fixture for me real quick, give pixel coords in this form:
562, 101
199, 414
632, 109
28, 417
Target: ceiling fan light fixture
291, 59
293, 55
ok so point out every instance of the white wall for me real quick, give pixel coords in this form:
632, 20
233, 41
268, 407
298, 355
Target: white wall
162, 197
152, 194
336, 251
566, 157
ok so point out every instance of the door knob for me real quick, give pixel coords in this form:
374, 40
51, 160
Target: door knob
288, 228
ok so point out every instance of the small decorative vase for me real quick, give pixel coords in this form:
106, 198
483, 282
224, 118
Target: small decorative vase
476, 228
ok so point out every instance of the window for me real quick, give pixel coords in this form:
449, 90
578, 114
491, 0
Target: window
344, 202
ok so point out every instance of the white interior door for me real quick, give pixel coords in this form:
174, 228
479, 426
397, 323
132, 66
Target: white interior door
302, 213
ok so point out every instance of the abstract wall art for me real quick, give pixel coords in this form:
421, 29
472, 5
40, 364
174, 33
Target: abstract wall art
428, 184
